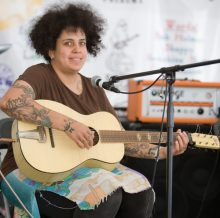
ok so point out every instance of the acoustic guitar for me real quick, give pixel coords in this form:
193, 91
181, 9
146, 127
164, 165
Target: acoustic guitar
49, 155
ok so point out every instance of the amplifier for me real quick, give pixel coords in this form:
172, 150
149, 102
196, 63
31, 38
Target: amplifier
194, 102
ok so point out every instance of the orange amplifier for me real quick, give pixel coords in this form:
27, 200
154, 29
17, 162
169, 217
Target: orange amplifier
194, 102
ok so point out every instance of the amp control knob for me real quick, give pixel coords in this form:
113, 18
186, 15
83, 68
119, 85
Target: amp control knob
200, 111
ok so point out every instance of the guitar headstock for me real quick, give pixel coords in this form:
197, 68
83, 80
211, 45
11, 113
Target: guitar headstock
205, 141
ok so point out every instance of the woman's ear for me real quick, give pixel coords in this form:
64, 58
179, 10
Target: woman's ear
51, 54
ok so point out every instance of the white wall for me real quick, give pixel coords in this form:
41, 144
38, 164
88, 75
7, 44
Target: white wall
141, 35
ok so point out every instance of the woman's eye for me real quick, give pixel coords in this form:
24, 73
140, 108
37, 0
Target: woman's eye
71, 44
68, 44
83, 43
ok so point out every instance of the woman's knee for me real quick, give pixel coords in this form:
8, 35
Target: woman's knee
137, 204
108, 208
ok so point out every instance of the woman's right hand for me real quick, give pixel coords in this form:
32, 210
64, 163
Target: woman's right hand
80, 133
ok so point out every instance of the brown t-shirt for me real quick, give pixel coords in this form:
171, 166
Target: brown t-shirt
47, 85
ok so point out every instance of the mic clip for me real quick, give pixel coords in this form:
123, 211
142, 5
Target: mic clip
110, 86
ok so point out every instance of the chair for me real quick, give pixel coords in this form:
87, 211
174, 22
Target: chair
5, 132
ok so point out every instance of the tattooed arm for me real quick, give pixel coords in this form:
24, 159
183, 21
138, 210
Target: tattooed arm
19, 103
146, 150
142, 150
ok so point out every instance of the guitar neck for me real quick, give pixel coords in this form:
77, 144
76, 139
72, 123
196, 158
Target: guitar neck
133, 136
195, 139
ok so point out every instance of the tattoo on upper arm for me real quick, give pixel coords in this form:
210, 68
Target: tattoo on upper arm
26, 89
21, 108
15, 104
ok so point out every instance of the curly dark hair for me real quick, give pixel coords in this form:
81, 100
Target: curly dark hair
46, 29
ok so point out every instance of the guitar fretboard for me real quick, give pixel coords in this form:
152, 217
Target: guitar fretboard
132, 136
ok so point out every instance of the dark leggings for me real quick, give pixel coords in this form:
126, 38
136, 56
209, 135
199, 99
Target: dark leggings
118, 205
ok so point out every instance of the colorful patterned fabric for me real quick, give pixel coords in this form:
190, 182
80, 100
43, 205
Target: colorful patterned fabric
88, 187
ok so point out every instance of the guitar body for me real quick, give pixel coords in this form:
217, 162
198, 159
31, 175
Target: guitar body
47, 162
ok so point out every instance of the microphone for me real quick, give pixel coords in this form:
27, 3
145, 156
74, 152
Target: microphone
97, 82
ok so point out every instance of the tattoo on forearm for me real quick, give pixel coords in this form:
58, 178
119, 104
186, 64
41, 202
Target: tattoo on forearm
41, 117
143, 150
28, 112
153, 152
67, 126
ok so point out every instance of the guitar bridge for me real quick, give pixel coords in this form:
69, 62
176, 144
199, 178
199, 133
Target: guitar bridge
37, 134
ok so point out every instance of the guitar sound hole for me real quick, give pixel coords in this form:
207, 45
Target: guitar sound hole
96, 136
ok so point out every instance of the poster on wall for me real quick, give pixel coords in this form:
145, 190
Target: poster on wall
141, 35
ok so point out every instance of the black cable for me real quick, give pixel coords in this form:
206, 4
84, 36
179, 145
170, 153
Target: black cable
136, 92
159, 142
160, 137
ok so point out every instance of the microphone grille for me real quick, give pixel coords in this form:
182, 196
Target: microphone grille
94, 80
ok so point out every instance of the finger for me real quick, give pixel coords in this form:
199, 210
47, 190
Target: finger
85, 142
90, 132
182, 140
179, 131
90, 141
185, 138
89, 137
80, 144
82, 141
177, 146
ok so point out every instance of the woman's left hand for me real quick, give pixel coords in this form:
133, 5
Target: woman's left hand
181, 142
179, 145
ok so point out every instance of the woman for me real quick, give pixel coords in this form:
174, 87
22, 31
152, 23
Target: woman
64, 36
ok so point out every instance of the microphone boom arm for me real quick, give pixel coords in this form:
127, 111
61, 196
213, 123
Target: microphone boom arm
164, 70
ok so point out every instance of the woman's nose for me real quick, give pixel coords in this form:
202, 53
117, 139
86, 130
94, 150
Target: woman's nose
76, 48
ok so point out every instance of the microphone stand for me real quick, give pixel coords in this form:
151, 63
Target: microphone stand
170, 78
